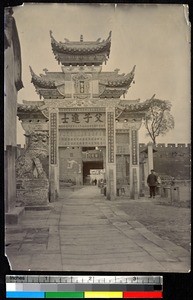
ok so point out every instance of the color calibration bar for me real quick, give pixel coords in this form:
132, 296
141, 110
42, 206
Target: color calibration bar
34, 286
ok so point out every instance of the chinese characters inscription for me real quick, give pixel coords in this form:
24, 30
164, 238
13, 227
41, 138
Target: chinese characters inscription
53, 138
110, 133
134, 147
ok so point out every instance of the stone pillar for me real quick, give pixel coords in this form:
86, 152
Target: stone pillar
146, 171
110, 154
53, 155
148, 162
134, 164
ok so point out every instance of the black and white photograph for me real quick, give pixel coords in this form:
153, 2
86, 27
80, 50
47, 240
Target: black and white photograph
97, 126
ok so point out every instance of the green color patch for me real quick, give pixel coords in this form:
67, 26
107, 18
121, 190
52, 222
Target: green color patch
64, 295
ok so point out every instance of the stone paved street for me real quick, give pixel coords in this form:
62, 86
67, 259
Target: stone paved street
85, 232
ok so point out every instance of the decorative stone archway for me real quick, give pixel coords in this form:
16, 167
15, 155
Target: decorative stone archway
82, 108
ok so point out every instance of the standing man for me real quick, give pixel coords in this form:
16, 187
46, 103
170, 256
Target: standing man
152, 182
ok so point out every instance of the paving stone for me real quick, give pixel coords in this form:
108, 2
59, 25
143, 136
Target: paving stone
46, 262
83, 233
32, 247
19, 262
177, 267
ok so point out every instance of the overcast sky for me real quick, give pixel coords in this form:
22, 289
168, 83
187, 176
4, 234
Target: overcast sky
155, 38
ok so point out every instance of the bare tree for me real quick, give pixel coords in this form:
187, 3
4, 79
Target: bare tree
158, 120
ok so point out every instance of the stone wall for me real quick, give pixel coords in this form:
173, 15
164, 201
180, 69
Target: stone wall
13, 83
122, 169
172, 159
10, 103
70, 167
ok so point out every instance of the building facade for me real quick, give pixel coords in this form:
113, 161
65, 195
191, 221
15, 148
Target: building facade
89, 125
13, 83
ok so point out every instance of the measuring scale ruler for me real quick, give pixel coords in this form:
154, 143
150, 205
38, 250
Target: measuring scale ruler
42, 286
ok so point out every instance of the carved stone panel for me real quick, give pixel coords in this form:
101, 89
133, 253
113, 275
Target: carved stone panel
82, 138
110, 136
53, 138
81, 85
82, 118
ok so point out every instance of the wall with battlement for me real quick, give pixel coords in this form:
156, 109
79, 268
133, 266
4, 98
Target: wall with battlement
172, 159
168, 146
169, 159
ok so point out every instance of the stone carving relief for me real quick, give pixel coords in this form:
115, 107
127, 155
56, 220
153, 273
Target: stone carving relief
29, 165
60, 87
45, 112
81, 85
78, 69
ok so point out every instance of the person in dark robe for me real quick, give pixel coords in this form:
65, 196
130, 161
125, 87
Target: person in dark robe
152, 183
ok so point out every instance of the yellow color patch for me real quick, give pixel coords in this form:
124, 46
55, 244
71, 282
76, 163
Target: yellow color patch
103, 294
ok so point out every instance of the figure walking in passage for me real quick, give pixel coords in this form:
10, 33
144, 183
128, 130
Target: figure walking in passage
152, 183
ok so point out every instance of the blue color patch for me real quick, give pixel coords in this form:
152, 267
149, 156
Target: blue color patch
25, 294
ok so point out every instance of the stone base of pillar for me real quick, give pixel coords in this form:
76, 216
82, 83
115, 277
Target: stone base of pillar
135, 189
53, 194
53, 184
32, 192
39, 207
14, 216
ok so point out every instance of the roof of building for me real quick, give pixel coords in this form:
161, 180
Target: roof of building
126, 107
11, 38
42, 81
77, 52
28, 107
113, 79
111, 84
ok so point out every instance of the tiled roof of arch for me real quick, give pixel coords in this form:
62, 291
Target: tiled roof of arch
28, 108
131, 107
114, 84
116, 80
42, 81
81, 47
138, 106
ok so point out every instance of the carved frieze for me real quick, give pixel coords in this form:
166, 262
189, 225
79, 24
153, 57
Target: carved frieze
34, 126
82, 138
61, 103
78, 69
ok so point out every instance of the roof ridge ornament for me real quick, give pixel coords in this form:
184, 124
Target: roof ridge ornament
81, 38
31, 71
52, 38
133, 70
110, 34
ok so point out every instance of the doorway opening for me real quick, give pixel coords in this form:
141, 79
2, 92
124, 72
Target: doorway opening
88, 166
